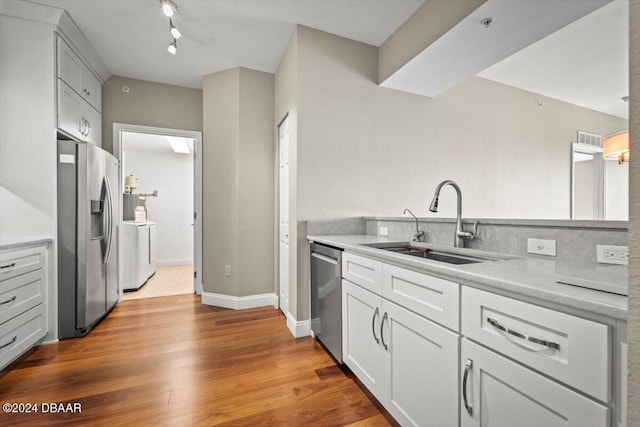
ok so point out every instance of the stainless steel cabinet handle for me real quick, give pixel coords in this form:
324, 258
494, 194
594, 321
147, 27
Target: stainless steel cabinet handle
373, 325
384, 344
8, 301
546, 343
467, 369
15, 337
8, 266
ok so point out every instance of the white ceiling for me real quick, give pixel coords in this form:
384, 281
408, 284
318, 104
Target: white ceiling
134, 141
585, 63
132, 36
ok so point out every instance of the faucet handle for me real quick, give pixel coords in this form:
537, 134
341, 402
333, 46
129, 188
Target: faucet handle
418, 236
469, 235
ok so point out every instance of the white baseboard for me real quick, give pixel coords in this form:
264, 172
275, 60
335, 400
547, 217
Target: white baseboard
299, 329
166, 262
239, 303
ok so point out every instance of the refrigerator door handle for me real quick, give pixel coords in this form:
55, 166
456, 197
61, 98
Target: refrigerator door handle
109, 213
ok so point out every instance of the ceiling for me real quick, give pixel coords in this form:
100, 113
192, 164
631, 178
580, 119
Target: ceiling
585, 63
134, 141
132, 36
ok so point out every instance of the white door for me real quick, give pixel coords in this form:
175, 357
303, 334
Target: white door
361, 343
420, 369
501, 393
283, 137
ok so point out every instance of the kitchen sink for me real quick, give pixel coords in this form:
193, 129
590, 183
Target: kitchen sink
431, 253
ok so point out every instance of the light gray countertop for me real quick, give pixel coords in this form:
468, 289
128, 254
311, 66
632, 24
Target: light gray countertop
26, 241
530, 277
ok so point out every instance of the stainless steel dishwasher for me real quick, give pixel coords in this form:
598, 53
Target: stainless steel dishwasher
326, 297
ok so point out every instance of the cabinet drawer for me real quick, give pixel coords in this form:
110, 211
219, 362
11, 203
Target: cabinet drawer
433, 298
21, 261
362, 271
21, 333
568, 348
21, 293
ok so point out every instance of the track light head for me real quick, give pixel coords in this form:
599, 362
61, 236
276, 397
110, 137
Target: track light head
173, 47
174, 31
169, 8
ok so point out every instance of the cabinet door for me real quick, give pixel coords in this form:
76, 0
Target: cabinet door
93, 124
420, 369
361, 350
502, 393
70, 107
77, 75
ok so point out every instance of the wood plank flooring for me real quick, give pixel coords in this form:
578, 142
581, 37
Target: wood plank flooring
173, 361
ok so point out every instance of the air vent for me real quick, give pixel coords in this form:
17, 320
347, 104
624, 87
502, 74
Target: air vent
590, 139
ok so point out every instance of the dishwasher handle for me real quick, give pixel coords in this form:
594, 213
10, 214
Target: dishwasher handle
324, 258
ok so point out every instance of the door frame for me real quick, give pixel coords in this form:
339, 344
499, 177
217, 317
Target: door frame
283, 304
118, 129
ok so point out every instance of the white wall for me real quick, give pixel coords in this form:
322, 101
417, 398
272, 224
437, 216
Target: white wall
172, 175
27, 130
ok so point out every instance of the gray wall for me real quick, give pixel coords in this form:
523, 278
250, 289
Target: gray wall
364, 149
238, 191
148, 104
633, 403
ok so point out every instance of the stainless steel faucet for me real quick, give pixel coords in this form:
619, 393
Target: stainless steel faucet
419, 234
461, 235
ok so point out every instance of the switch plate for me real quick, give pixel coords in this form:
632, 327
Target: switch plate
227, 270
384, 231
541, 247
607, 254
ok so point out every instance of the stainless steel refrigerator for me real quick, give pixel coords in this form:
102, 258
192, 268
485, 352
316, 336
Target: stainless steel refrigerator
87, 236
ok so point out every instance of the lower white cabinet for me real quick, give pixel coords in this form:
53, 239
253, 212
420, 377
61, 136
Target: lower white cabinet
361, 349
139, 251
409, 363
419, 369
497, 392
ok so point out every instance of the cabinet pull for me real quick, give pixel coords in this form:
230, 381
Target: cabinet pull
384, 344
7, 267
546, 343
15, 337
8, 301
373, 325
467, 369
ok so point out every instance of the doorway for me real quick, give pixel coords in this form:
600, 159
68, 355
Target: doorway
160, 249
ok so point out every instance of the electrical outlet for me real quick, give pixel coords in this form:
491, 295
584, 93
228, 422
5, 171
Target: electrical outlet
541, 247
384, 231
612, 254
227, 270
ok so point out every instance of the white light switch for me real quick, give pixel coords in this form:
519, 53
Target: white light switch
541, 247
227, 270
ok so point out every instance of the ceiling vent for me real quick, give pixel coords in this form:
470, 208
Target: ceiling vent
590, 139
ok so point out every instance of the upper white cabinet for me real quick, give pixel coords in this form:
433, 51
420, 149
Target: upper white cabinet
73, 72
79, 97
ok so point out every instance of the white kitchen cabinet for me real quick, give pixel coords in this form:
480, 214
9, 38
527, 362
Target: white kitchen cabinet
361, 349
79, 97
497, 392
76, 117
77, 75
409, 363
23, 296
420, 369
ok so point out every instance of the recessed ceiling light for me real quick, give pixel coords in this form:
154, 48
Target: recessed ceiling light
169, 8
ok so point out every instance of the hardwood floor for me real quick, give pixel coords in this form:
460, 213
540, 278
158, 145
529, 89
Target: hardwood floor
173, 361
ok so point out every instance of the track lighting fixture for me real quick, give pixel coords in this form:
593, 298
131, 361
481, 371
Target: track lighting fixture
173, 47
169, 8
174, 31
